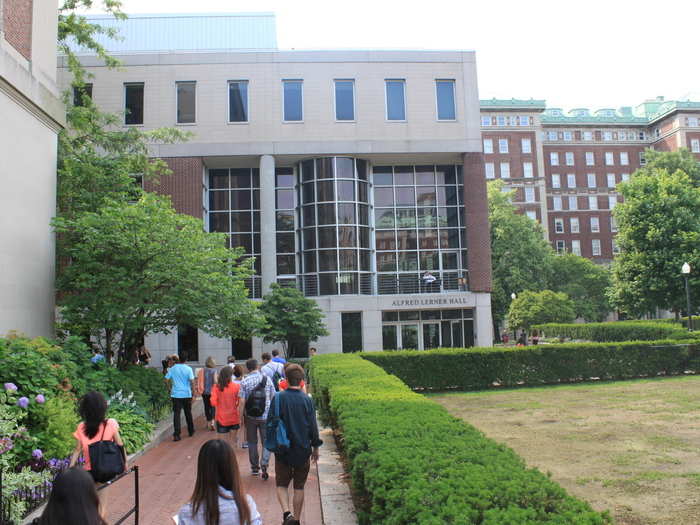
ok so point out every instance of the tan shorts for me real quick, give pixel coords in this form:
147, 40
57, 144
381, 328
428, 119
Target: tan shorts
285, 473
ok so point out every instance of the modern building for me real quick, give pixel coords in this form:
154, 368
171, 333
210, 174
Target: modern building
356, 176
565, 166
32, 115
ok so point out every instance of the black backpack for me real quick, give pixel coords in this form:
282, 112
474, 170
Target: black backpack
107, 459
255, 404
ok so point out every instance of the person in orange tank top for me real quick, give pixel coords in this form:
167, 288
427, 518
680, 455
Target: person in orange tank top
225, 397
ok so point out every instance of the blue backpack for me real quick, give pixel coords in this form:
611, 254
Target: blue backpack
276, 439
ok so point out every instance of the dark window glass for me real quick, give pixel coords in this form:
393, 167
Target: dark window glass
309, 238
453, 217
326, 213
409, 316
427, 217
425, 175
390, 316
325, 191
366, 287
286, 264
324, 168
348, 259
387, 284
256, 221
364, 260
284, 177
238, 101
409, 283
242, 348
430, 315
307, 170
403, 175
327, 284
285, 199
133, 103
445, 174
361, 166
383, 196
429, 261
452, 238
344, 100
240, 178
406, 239
384, 218
445, 99
348, 285
326, 237
406, 218
308, 192
285, 221
346, 190
408, 261
362, 191
460, 176
186, 102
80, 93
285, 243
346, 214
395, 100
240, 200
309, 214
428, 239
449, 261
364, 237
460, 195
451, 314
363, 214
187, 342
425, 195
310, 262
293, 105
386, 240
447, 195
218, 222
256, 199
347, 236
382, 176
344, 168
243, 240
241, 222
218, 200
256, 243
218, 179
405, 197
327, 260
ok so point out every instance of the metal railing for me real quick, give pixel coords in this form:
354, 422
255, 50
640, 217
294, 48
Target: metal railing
135, 509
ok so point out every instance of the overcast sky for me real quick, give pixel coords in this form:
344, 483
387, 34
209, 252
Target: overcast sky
597, 53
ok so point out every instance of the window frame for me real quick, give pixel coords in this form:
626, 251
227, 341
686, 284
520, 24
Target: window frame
453, 83
125, 85
506, 142
524, 141
228, 101
529, 191
335, 100
572, 221
177, 102
301, 81
558, 179
386, 100
531, 171
483, 145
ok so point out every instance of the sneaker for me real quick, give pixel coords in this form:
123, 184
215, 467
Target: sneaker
244, 445
176, 438
265, 475
255, 472
288, 519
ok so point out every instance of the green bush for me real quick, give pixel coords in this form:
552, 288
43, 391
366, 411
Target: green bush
414, 463
58, 421
134, 428
481, 368
615, 331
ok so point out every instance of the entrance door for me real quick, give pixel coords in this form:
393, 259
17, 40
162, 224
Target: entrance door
457, 341
409, 336
431, 335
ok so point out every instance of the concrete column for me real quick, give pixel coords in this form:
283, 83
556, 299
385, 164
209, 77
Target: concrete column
268, 247
483, 325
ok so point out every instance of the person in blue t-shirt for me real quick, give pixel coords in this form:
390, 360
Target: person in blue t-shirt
276, 357
181, 380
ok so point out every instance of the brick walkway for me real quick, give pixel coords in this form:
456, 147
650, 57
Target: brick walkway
166, 478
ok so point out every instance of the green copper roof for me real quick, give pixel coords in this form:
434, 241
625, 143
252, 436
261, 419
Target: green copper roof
513, 103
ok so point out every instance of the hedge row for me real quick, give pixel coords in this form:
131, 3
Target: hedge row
615, 331
414, 463
481, 368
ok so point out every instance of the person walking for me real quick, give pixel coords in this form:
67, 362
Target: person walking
218, 497
225, 398
181, 379
297, 412
284, 383
257, 392
231, 361
238, 378
276, 357
206, 378
73, 499
94, 427
272, 369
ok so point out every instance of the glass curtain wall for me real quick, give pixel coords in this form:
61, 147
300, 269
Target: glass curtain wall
285, 226
425, 329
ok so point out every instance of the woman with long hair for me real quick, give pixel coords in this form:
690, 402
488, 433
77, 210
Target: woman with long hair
224, 397
218, 497
206, 377
73, 500
94, 427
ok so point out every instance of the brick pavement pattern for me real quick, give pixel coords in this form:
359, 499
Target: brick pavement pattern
166, 478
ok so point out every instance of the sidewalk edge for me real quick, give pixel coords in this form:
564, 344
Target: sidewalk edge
337, 507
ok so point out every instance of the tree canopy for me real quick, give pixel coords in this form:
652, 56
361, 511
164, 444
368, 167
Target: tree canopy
584, 282
546, 306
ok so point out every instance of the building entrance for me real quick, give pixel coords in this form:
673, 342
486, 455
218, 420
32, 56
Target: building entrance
426, 329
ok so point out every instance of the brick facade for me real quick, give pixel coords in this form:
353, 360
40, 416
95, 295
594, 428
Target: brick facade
17, 25
184, 185
478, 233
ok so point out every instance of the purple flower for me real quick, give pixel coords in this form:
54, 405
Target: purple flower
37, 453
40, 398
11, 386
23, 402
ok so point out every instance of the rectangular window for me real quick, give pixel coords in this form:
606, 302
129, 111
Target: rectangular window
186, 102
556, 203
532, 214
569, 158
502, 145
79, 94
571, 180
611, 180
573, 225
489, 169
488, 146
554, 158
396, 99
576, 247
568, 136
445, 92
595, 246
505, 170
133, 103
351, 324
642, 135
500, 120
529, 194
592, 202
607, 135
587, 135
238, 101
595, 225
561, 247
523, 121
590, 158
613, 224
526, 145
345, 99
624, 158
573, 202
693, 122
695, 145
612, 201
485, 121
609, 158
591, 180
615, 247
527, 170
558, 225
556, 180
293, 100
552, 135
642, 159
625, 177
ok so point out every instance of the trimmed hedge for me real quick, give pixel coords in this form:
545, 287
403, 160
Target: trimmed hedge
615, 331
481, 368
412, 462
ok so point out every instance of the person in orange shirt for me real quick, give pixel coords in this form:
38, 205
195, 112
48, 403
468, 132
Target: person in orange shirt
283, 383
225, 397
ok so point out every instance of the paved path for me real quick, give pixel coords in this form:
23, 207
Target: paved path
167, 474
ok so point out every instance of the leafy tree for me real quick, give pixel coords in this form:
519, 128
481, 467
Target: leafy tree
290, 318
671, 161
585, 282
659, 230
521, 257
531, 308
142, 267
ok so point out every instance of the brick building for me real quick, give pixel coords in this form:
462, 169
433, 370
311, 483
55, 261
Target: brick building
565, 166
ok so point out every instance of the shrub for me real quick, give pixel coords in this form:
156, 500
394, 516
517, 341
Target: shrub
481, 368
414, 463
615, 331
58, 419
134, 428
